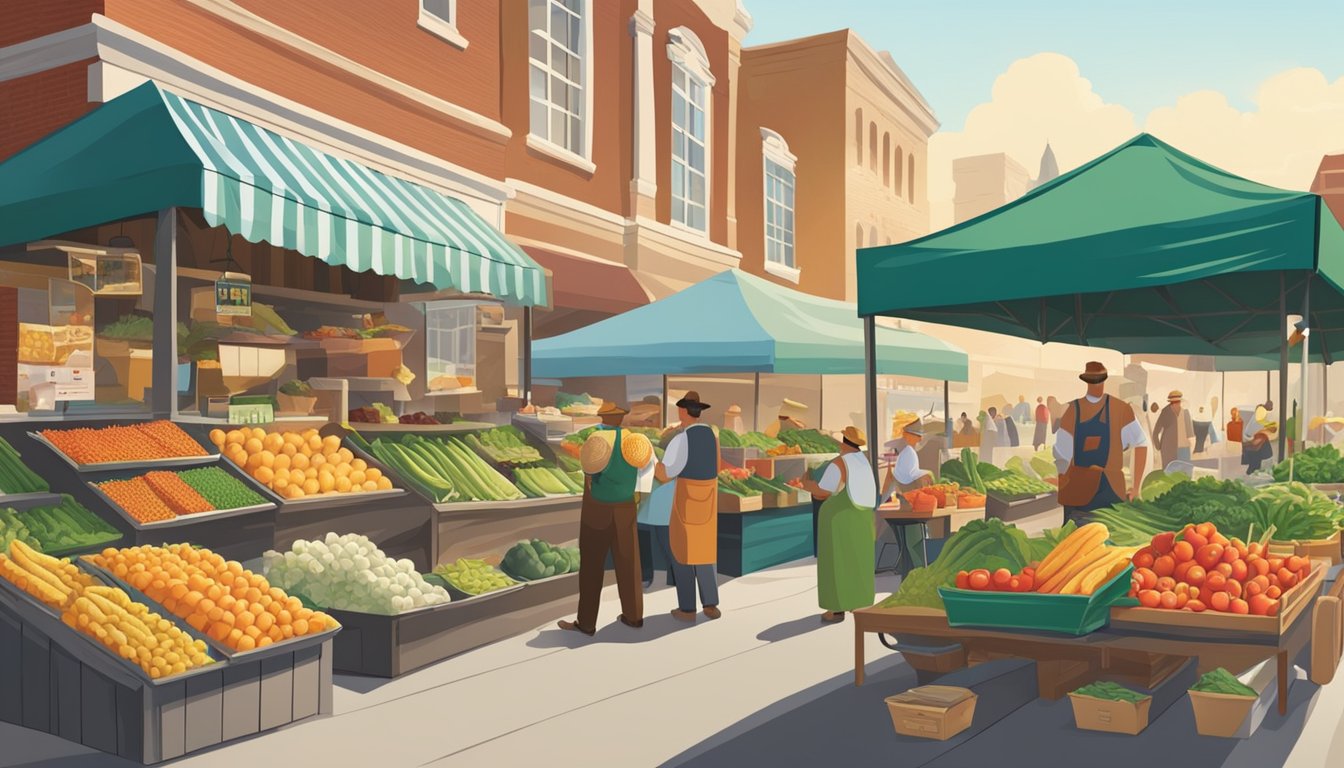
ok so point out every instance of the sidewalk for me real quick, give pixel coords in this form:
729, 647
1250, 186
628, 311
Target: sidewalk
767, 684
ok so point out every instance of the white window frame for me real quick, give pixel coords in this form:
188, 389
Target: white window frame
583, 160
435, 24
774, 149
687, 53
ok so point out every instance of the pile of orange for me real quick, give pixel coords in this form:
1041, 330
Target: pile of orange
132, 442
217, 597
174, 491
298, 464
138, 499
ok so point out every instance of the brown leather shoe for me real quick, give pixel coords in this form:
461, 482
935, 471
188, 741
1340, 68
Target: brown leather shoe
629, 623
573, 627
712, 611
686, 616
833, 617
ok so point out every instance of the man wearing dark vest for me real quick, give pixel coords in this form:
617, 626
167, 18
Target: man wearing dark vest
692, 459
1093, 435
618, 464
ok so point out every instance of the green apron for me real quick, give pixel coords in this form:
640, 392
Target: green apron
616, 483
846, 544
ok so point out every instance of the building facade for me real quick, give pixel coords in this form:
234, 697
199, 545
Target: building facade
832, 154
1329, 183
985, 182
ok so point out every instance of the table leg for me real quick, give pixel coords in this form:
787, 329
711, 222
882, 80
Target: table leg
924, 540
858, 653
1283, 682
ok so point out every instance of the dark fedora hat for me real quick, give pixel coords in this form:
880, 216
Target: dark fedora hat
691, 402
1094, 373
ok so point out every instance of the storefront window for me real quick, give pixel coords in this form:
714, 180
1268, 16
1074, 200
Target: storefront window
450, 345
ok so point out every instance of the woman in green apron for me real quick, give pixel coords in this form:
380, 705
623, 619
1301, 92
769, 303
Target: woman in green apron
846, 537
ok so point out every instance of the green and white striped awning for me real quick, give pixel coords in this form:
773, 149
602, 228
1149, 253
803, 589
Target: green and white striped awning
150, 149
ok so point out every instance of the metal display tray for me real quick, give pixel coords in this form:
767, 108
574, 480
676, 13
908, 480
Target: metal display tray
26, 501
274, 649
108, 466
44, 616
180, 521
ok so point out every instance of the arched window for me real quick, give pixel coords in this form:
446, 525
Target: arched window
872, 236
900, 164
691, 84
780, 182
886, 159
872, 146
910, 187
858, 236
858, 136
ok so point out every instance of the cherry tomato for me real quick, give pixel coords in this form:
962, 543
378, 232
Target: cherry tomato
1001, 578
1195, 605
1220, 601
1209, 556
1147, 579
1150, 598
1163, 542
1028, 582
1240, 606
1234, 588
1166, 584
1182, 551
1168, 600
1015, 584
1195, 576
978, 579
1164, 565
963, 580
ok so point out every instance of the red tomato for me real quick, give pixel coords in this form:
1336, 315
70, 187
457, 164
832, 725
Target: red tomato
1166, 584
1275, 563
1195, 605
1002, 578
1168, 600
1027, 581
1143, 559
1274, 592
979, 579
1294, 563
1239, 606
1218, 538
1195, 576
1150, 598
1163, 542
1234, 588
1215, 581
1259, 564
1183, 569
1255, 548
1231, 554
1209, 556
1182, 600
1147, 579
1273, 608
1195, 593
963, 580
1287, 580
1195, 539
1253, 588
1164, 565
1183, 551
1240, 570
1207, 530
1259, 604
1225, 569
1220, 601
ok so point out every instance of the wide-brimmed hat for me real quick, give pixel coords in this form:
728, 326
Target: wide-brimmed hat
1094, 373
691, 401
610, 408
1175, 396
914, 428
855, 437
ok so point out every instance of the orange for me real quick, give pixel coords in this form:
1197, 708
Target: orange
234, 636
300, 627
246, 643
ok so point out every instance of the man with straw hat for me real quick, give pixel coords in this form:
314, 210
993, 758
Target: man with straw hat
790, 417
1093, 435
1174, 432
846, 534
618, 465
692, 459
906, 474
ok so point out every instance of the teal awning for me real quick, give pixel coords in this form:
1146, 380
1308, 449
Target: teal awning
150, 149
1145, 249
738, 323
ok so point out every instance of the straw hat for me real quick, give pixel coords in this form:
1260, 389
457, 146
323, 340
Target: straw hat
610, 408
854, 436
1094, 373
596, 451
1175, 396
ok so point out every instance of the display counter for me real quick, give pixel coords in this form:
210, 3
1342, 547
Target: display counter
754, 541
470, 529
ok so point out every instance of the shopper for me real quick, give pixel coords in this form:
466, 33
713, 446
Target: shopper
1203, 425
1093, 435
1042, 424
692, 459
1234, 426
655, 510
989, 436
1021, 411
847, 536
906, 474
964, 426
1008, 428
1174, 432
617, 468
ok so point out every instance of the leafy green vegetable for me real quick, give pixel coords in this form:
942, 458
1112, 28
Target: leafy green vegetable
1320, 464
729, 439
296, 388
1221, 681
809, 440
988, 543
1110, 691
1158, 483
129, 328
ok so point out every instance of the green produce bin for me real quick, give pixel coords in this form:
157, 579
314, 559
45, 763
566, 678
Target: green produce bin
1068, 614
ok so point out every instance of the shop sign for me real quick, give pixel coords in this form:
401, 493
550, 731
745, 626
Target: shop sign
233, 295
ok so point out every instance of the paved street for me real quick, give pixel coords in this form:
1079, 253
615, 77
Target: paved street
767, 685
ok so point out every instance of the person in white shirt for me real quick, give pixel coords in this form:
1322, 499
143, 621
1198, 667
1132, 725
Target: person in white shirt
906, 474
846, 543
1093, 435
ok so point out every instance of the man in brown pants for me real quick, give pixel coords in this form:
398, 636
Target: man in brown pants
618, 463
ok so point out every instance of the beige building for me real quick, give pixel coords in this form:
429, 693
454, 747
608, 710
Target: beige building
832, 149
985, 182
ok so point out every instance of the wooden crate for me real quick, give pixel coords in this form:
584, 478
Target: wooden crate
55, 681
730, 503
1319, 549
764, 468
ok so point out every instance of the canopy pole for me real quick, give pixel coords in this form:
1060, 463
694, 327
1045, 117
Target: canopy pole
667, 417
163, 371
527, 355
1302, 422
870, 380
947, 414
1283, 368
821, 402
756, 405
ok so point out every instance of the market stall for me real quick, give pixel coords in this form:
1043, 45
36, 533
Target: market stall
735, 323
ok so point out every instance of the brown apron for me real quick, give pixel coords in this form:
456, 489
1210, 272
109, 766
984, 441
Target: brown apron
694, 527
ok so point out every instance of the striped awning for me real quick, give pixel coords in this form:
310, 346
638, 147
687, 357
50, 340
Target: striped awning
150, 149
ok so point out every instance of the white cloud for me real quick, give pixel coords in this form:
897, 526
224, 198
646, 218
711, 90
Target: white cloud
1297, 118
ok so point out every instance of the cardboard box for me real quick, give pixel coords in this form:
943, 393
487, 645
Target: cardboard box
1239, 717
932, 711
381, 364
1127, 717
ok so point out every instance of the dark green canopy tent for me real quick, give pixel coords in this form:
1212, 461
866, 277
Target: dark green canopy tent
1145, 249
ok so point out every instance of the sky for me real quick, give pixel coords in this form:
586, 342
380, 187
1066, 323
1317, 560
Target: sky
1253, 87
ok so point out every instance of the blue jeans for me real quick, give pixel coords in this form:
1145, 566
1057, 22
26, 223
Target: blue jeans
687, 577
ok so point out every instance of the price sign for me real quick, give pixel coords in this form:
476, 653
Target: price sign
233, 295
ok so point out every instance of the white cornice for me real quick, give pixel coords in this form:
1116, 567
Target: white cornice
742, 21
241, 17
900, 92
47, 52
641, 23
135, 54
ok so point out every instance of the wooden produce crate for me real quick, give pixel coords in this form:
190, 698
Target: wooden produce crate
764, 468
1317, 549
738, 456
53, 681
730, 503
777, 500
1211, 624
790, 467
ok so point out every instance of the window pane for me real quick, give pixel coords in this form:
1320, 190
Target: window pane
558, 127
536, 14
678, 145
575, 33
441, 8
788, 195
678, 110
697, 217
575, 136
788, 254
697, 124
559, 25
575, 100
697, 190
678, 211
575, 73
678, 179
788, 220
537, 123
536, 47
695, 156
559, 91
536, 82
558, 55
678, 77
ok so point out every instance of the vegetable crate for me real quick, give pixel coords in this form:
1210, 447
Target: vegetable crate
52, 681
1317, 549
1069, 614
732, 503
1238, 717
1110, 716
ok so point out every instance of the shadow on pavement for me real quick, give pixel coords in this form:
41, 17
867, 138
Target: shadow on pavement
359, 683
836, 723
795, 628
655, 626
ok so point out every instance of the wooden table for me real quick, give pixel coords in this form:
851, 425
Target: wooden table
1065, 662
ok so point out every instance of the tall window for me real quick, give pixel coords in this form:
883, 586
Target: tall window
900, 163
858, 136
558, 56
780, 165
872, 146
910, 187
691, 84
886, 159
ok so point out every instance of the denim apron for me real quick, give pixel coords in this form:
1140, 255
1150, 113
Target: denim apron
1096, 458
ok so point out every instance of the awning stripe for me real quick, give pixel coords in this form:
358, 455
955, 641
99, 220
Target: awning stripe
268, 187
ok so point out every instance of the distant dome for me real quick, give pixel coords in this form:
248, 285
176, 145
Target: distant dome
1049, 168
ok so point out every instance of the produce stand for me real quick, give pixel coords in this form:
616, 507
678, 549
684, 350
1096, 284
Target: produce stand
1030, 514
466, 530
754, 541
1141, 653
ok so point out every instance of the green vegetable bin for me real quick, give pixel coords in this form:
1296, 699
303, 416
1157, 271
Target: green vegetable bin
1067, 614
